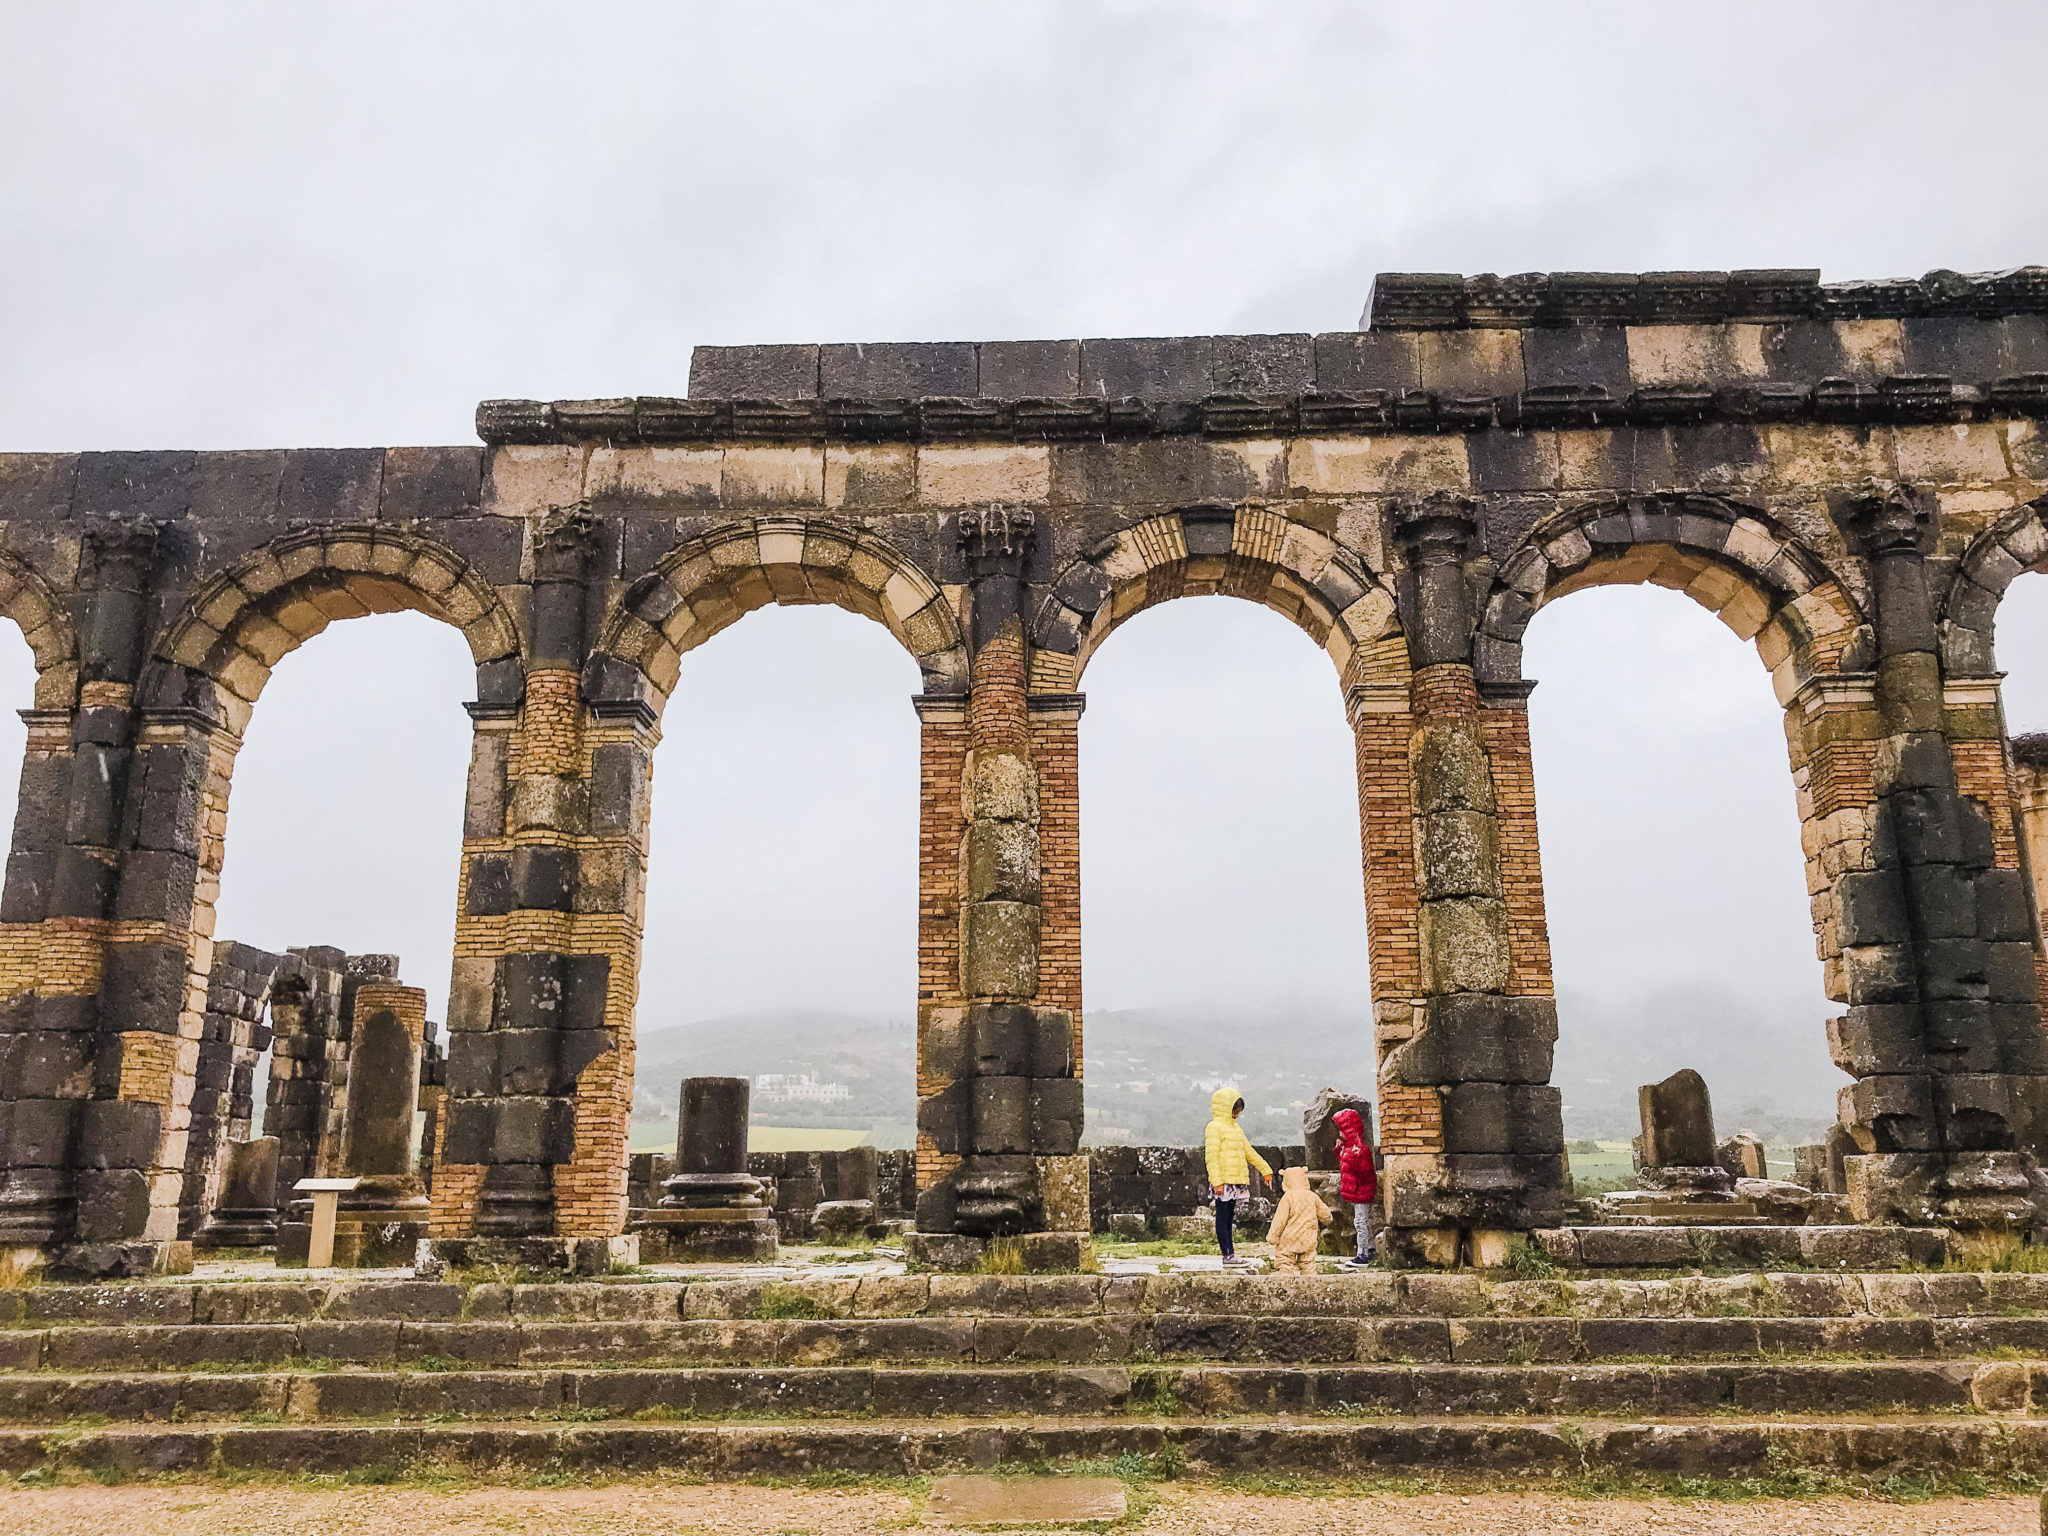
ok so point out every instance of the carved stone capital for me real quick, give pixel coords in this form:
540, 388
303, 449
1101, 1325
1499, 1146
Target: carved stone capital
996, 540
1436, 529
121, 544
570, 530
1883, 517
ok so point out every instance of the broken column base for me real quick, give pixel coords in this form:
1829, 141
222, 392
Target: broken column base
843, 1220
685, 1235
235, 1231
549, 1255
1035, 1253
134, 1260
1969, 1191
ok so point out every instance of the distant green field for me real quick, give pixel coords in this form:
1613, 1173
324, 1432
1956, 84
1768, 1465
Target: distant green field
1612, 1163
760, 1138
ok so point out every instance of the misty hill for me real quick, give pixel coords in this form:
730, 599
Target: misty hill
1150, 1071
875, 1058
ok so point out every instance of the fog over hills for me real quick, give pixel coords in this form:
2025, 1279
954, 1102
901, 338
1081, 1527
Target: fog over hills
1150, 1070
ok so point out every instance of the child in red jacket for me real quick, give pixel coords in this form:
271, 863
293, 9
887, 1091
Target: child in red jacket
1358, 1182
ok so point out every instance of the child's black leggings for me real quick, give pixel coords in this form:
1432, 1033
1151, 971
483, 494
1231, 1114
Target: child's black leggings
1226, 1225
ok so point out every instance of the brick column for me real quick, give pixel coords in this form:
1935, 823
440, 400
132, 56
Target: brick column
942, 828
1005, 1101
1943, 1031
1483, 1048
2030, 779
540, 1050
1411, 1118
1056, 751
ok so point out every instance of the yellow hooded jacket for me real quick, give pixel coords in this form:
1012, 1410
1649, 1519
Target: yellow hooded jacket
1227, 1148
1298, 1216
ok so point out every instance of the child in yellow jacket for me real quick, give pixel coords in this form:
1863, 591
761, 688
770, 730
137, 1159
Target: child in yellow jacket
1231, 1158
1297, 1224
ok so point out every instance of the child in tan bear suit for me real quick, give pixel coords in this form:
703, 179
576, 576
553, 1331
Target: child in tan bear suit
1296, 1222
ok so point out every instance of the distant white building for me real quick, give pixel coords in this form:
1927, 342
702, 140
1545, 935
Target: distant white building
792, 1088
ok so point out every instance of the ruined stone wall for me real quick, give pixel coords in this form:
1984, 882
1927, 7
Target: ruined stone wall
1014, 503
223, 1080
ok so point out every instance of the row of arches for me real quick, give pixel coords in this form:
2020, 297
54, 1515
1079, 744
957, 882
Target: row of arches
1753, 576
1759, 578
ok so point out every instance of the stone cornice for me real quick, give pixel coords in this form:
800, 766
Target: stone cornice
1900, 398
1430, 301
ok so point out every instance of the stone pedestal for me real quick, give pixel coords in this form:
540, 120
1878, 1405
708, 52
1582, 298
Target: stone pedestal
245, 1215
543, 1255
712, 1207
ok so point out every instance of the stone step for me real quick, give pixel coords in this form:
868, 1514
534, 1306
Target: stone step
998, 1339
1369, 1294
1001, 1340
1807, 1388
897, 1448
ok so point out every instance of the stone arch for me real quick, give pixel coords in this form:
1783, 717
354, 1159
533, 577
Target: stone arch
242, 622
36, 610
2015, 544
719, 577
1252, 552
1734, 560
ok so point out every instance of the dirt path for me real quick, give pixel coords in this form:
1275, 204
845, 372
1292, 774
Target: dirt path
653, 1510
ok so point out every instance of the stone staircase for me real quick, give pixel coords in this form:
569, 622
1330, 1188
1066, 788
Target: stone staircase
1373, 1374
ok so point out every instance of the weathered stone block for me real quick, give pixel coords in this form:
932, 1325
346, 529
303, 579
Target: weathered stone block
1678, 1122
1002, 861
1465, 945
754, 373
1056, 1116
1002, 786
999, 948
1476, 1037
1450, 769
1002, 1114
1457, 854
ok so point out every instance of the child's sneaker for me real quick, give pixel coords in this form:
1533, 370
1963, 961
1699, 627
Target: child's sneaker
1364, 1262
1232, 1261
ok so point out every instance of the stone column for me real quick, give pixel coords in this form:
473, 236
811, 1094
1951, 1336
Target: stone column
712, 1208
538, 1079
1484, 1052
385, 1216
852, 1181
1005, 1100
1943, 1031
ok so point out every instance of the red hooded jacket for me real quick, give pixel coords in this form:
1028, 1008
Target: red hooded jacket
1357, 1182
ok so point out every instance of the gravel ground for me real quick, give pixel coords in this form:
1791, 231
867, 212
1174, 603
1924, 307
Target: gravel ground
658, 1510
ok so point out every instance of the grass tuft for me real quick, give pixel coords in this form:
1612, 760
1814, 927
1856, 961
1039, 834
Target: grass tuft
786, 1302
1528, 1261
1002, 1256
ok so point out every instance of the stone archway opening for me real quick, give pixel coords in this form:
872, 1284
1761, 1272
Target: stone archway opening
1227, 936
368, 726
782, 887
1673, 873
366, 723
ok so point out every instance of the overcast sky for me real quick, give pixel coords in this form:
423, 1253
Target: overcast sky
234, 226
